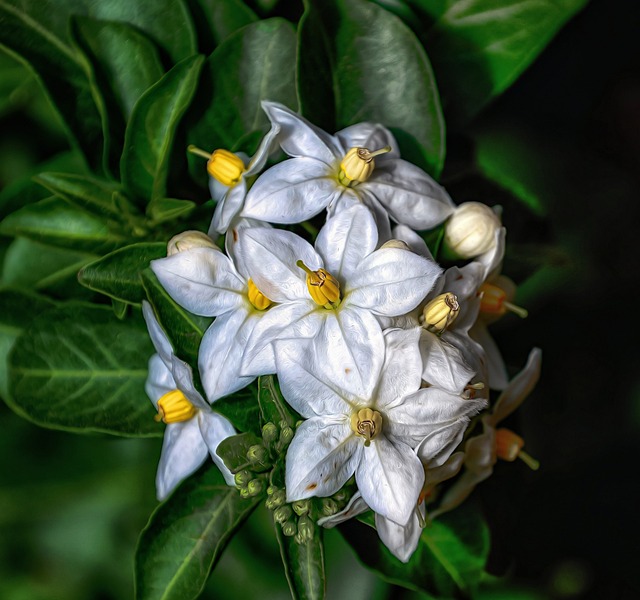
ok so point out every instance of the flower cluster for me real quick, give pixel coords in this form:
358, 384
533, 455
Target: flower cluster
383, 354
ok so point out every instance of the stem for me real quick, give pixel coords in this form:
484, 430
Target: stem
518, 310
198, 152
531, 462
309, 228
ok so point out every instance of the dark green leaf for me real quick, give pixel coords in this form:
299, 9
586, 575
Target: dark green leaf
358, 62
161, 210
233, 450
152, 127
218, 19
479, 48
303, 565
119, 308
118, 274
54, 221
273, 407
81, 369
241, 409
185, 330
186, 535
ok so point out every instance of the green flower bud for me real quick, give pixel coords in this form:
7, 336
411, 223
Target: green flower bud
257, 454
289, 528
301, 507
244, 493
277, 498
242, 478
255, 487
269, 433
306, 528
329, 507
272, 489
286, 435
282, 514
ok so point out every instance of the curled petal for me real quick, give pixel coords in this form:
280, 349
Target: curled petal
415, 242
267, 145
214, 428
227, 208
158, 337
444, 364
356, 506
402, 540
497, 371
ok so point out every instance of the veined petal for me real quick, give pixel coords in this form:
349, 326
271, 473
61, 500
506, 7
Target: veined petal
291, 191
183, 451
391, 282
221, 352
390, 477
444, 364
159, 381
438, 446
158, 337
214, 428
369, 135
356, 506
266, 147
416, 243
322, 456
402, 540
346, 239
498, 378
298, 137
228, 207
350, 198
202, 280
231, 243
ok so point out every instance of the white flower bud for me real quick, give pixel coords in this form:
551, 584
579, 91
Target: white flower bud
187, 240
471, 230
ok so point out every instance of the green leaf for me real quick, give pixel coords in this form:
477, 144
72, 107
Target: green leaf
218, 19
184, 329
79, 368
241, 409
479, 48
254, 64
448, 562
54, 221
303, 565
119, 308
152, 127
273, 407
186, 536
358, 62
118, 274
233, 450
161, 210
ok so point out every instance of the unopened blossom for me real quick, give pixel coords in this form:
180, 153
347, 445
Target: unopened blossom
187, 240
193, 430
470, 230
357, 165
372, 434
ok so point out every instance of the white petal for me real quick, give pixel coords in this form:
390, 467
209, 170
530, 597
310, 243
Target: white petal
159, 381
183, 375
444, 364
491, 260
369, 135
322, 456
218, 190
183, 451
416, 243
298, 137
221, 352
450, 468
498, 378
391, 282
356, 506
267, 146
214, 428
390, 477
158, 337
402, 540
438, 446
228, 207
346, 239
202, 280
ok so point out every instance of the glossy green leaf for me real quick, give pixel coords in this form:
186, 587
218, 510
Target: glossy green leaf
480, 47
161, 210
303, 565
218, 19
118, 274
233, 450
185, 330
186, 535
79, 368
448, 562
358, 62
273, 407
254, 64
152, 127
241, 408
54, 221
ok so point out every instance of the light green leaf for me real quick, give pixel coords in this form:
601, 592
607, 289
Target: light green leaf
273, 407
241, 408
80, 369
186, 536
118, 274
358, 62
233, 450
152, 127
479, 48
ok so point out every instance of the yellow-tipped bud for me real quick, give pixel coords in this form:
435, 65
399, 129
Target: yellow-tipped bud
509, 447
366, 423
440, 312
187, 240
174, 407
256, 297
226, 167
494, 302
323, 287
358, 164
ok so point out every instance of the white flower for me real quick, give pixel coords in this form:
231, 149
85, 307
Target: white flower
364, 284
193, 430
342, 170
470, 230
371, 435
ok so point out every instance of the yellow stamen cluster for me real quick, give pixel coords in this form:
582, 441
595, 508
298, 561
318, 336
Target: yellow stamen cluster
256, 297
226, 167
366, 423
509, 447
323, 287
440, 312
174, 407
358, 164
494, 302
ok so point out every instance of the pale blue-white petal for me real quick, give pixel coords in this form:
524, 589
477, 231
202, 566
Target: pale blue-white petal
321, 458
267, 145
183, 451
158, 337
351, 197
214, 428
415, 242
345, 240
444, 366
438, 446
202, 280
497, 371
228, 207
356, 506
402, 540
372, 136
232, 239
184, 382
159, 381
218, 190
390, 477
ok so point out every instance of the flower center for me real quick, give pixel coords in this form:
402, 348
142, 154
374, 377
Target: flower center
509, 447
366, 423
358, 164
494, 302
256, 297
222, 165
323, 287
174, 407
438, 314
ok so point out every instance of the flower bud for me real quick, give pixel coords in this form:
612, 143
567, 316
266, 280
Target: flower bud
440, 312
471, 230
289, 528
244, 493
269, 433
286, 435
255, 487
282, 514
329, 507
301, 507
242, 478
187, 240
257, 454
358, 164
225, 167
275, 500
306, 528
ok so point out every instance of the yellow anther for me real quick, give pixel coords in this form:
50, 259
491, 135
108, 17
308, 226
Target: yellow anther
323, 287
438, 314
222, 165
174, 407
494, 301
358, 164
509, 447
256, 297
366, 423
